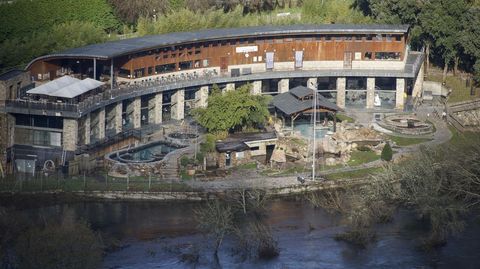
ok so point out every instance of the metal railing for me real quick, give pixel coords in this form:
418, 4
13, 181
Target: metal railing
38, 105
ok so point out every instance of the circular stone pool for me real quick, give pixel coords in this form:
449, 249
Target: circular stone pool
406, 124
152, 152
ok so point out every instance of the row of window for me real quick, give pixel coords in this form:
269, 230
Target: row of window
164, 68
195, 49
382, 56
24, 136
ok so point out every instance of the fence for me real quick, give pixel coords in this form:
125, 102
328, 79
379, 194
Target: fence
41, 182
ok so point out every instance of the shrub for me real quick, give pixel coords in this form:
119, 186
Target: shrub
184, 161
387, 153
364, 148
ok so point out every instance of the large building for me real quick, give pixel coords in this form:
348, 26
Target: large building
132, 84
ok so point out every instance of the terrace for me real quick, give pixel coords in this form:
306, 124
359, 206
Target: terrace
126, 89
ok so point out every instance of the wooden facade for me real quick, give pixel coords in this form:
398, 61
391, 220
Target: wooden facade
230, 52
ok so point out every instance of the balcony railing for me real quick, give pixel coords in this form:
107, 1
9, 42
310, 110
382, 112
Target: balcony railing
178, 80
38, 105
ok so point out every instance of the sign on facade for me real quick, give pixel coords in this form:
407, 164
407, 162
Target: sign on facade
246, 49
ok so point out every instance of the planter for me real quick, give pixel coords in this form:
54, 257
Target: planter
191, 172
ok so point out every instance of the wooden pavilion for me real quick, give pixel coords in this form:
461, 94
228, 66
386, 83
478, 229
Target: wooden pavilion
299, 101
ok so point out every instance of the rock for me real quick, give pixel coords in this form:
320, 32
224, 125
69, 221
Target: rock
330, 161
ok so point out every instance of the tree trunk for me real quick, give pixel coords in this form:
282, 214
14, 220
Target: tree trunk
445, 70
427, 52
455, 65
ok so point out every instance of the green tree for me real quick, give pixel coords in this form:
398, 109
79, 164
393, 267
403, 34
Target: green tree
470, 40
441, 22
16, 52
22, 18
233, 110
387, 153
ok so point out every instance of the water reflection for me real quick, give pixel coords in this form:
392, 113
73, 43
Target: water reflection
155, 232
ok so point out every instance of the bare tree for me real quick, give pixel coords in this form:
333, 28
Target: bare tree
215, 219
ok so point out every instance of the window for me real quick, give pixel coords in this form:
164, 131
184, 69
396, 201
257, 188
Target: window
328, 38
240, 155
198, 51
367, 56
348, 37
164, 68
196, 64
173, 55
378, 37
150, 70
338, 38
369, 37
254, 148
398, 38
358, 38
124, 72
387, 55
205, 63
138, 73
388, 37
185, 65
358, 55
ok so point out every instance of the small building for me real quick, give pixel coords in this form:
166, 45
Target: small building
299, 101
243, 148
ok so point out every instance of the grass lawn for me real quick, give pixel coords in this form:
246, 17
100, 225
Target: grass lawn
247, 166
354, 174
74, 184
407, 141
361, 157
459, 138
341, 117
460, 92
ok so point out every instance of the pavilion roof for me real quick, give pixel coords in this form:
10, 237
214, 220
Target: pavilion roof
292, 102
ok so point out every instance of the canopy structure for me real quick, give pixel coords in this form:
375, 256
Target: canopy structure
66, 87
299, 100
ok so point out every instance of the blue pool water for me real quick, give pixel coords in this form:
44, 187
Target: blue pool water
152, 152
306, 129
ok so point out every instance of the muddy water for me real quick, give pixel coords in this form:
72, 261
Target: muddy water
154, 234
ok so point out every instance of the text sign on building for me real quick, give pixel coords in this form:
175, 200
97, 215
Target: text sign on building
246, 49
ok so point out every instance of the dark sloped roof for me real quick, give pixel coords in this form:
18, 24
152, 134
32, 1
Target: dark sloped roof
289, 104
10, 74
301, 91
121, 47
236, 142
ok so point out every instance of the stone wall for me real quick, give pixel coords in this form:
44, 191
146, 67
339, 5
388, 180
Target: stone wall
469, 118
70, 134
7, 124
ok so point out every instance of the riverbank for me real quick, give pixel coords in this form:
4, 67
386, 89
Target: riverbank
200, 195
